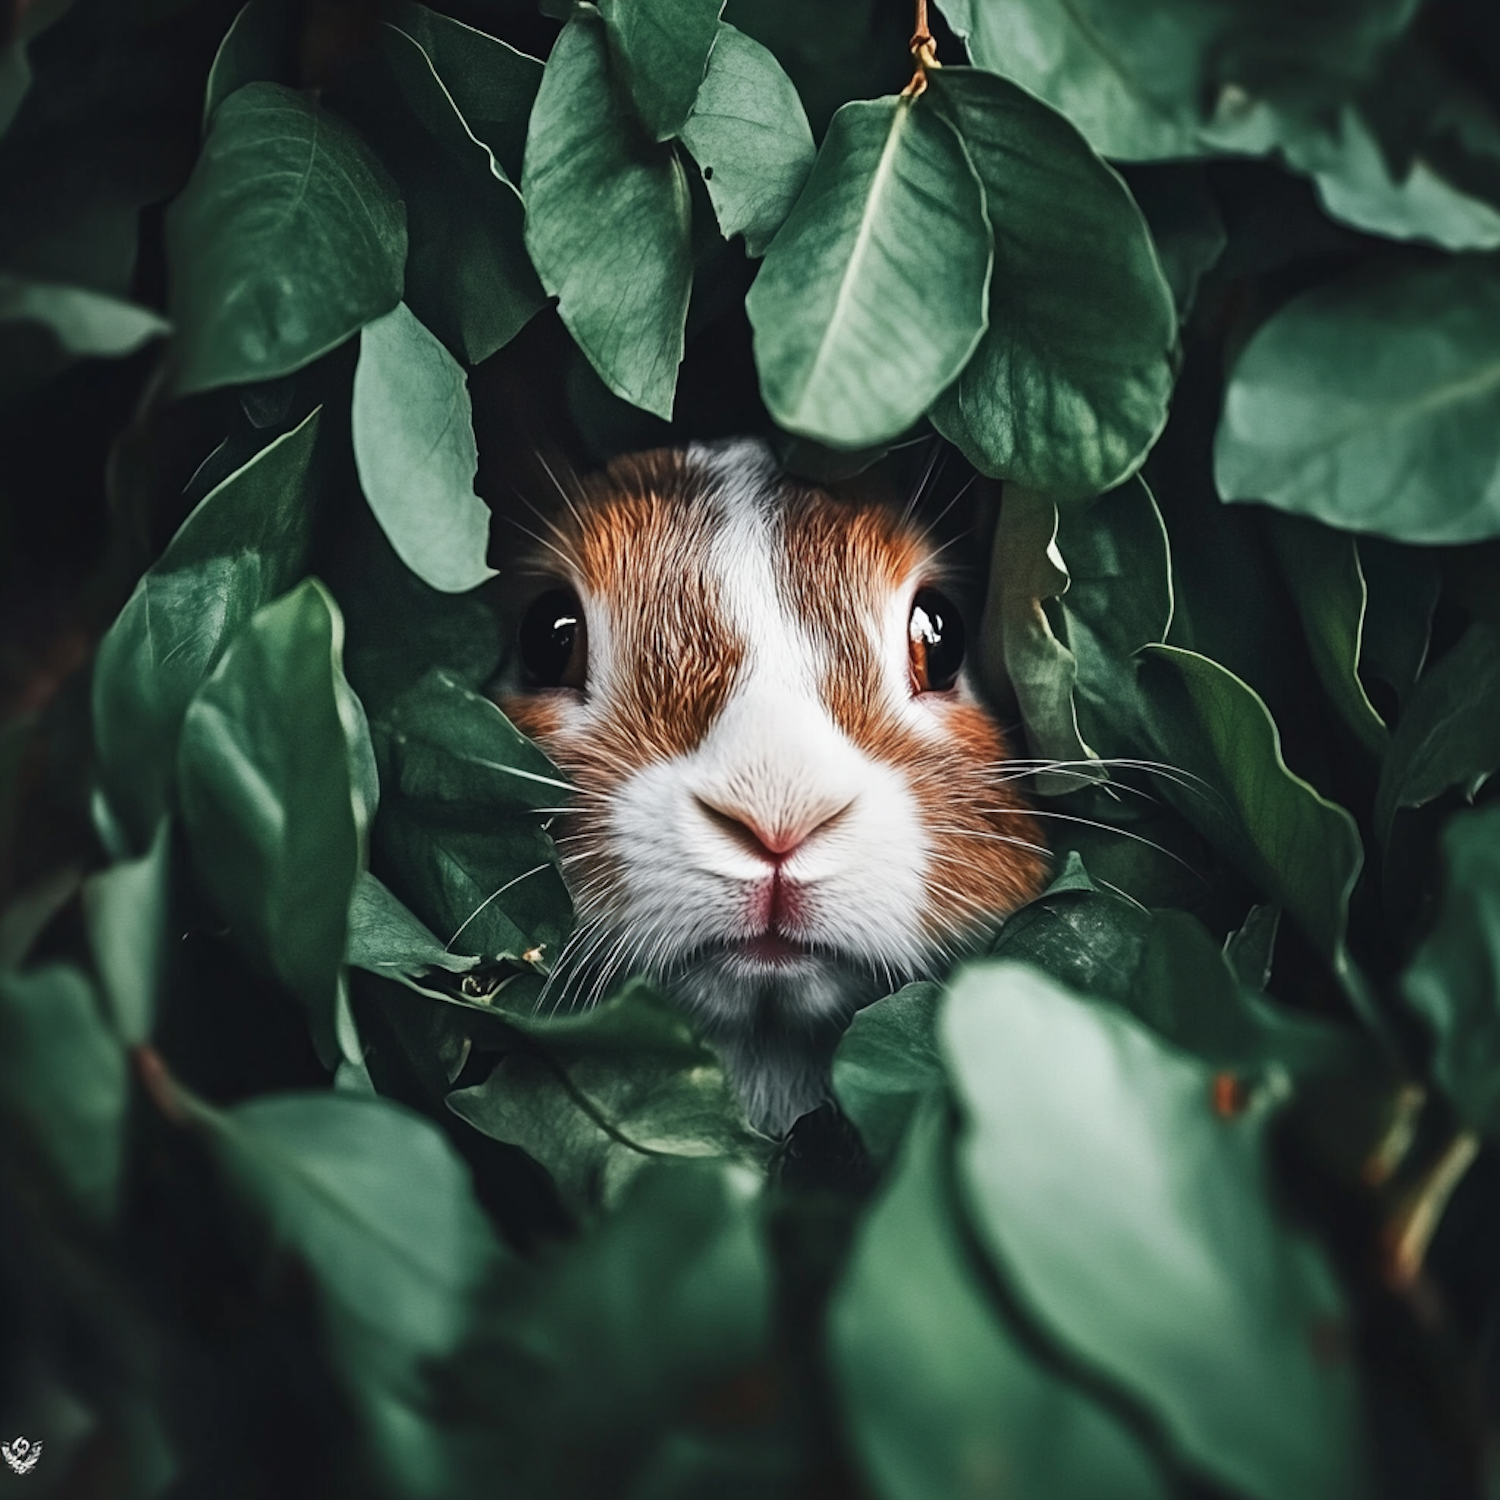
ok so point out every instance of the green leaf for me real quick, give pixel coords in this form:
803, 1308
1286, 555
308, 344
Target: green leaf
608, 222
377, 1205
274, 768
259, 47
749, 135
63, 1083
650, 1332
660, 50
456, 163
609, 1092
449, 744
942, 1397
1068, 389
1146, 80
1169, 973
288, 238
385, 937
1449, 734
80, 322
1372, 403
244, 543
490, 85
1403, 584
872, 297
1454, 978
1300, 849
1020, 648
126, 907
887, 1062
1144, 1238
1322, 570
415, 451
15, 80
1186, 226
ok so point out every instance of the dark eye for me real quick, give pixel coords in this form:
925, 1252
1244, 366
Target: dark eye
554, 640
937, 642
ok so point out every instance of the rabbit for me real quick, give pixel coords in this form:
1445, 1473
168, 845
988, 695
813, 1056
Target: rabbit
790, 800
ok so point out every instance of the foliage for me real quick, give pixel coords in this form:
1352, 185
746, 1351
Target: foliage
1185, 1183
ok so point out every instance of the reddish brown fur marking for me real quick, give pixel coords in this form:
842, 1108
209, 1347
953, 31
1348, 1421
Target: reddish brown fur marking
842, 565
642, 556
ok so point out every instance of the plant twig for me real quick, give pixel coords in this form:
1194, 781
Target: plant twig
923, 52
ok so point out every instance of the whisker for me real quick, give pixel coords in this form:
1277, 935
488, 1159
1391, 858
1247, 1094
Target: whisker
535, 870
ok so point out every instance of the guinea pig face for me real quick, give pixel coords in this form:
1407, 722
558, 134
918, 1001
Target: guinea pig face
789, 800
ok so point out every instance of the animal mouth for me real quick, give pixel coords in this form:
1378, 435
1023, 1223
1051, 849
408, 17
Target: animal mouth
772, 948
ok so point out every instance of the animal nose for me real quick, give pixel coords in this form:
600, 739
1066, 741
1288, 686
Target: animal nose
771, 838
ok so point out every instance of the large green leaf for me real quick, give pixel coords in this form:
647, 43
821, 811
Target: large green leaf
288, 238
1300, 849
244, 544
258, 47
1454, 979
63, 1085
1068, 389
379, 1208
941, 1396
44, 324
1143, 1236
886, 1063
872, 297
617, 1360
126, 907
1168, 972
416, 454
608, 221
1327, 583
277, 778
606, 1093
1449, 734
387, 938
455, 153
1154, 79
1372, 403
660, 50
445, 742
1021, 650
748, 133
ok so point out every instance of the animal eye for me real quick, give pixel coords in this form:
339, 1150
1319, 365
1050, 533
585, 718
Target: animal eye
937, 642
554, 640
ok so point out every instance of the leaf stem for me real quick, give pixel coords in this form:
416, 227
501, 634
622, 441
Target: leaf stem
924, 53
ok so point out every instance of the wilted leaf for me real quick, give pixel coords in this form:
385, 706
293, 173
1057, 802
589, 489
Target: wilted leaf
1327, 584
608, 221
1372, 403
1449, 734
244, 544
748, 133
63, 1084
275, 769
872, 297
415, 451
288, 238
1144, 1237
608, 1092
126, 907
886, 1063
1454, 979
941, 1395
660, 49
1068, 389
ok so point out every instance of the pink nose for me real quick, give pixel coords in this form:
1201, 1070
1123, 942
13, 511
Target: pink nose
773, 842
